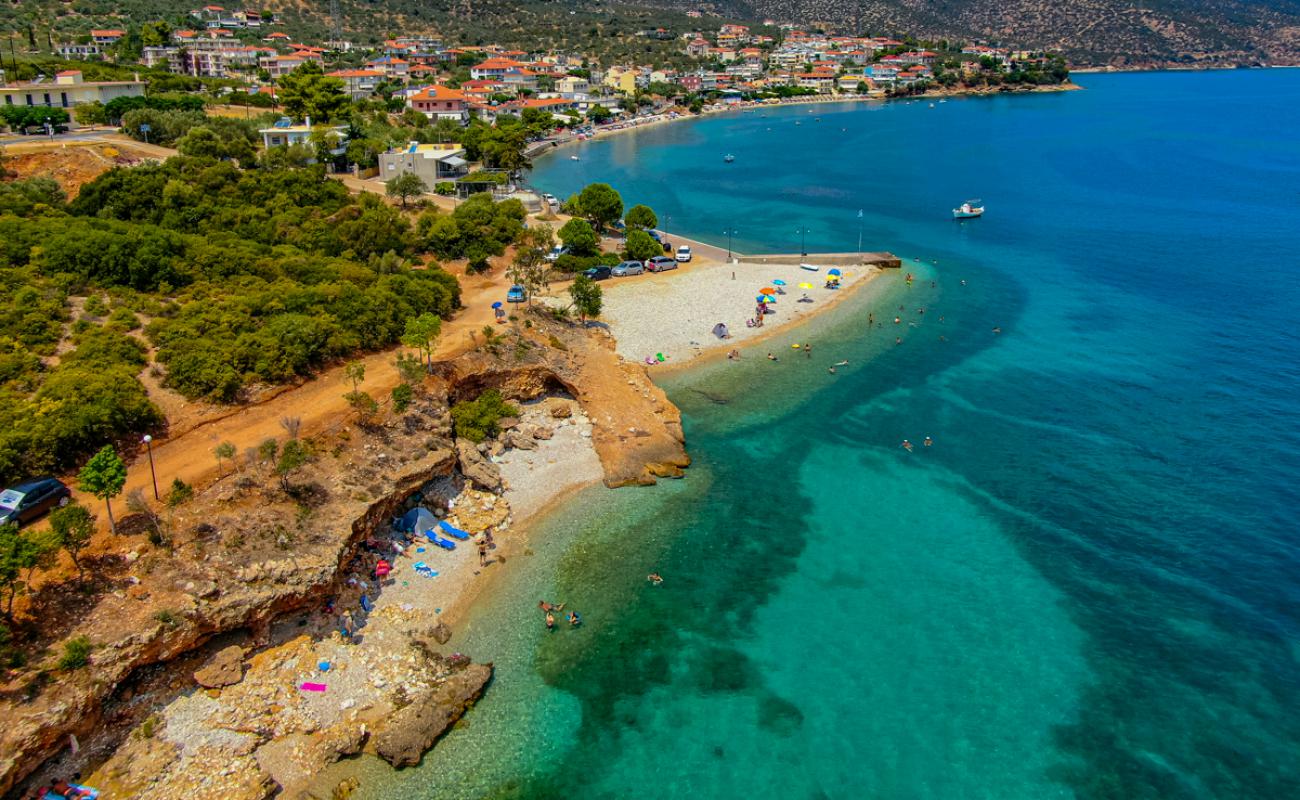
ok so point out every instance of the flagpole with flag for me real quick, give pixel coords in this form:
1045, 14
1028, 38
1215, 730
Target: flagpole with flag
859, 231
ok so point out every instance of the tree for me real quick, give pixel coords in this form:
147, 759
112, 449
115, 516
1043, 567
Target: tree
293, 456
410, 368
586, 297
641, 217
599, 114
406, 186
530, 269
640, 246
579, 237
201, 142
307, 92
73, 526
422, 334
18, 554
224, 452
104, 476
355, 372
90, 113
402, 394
600, 204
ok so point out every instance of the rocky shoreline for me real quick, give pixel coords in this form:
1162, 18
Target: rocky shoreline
207, 647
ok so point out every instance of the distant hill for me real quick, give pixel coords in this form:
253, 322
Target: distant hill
1090, 32
1122, 33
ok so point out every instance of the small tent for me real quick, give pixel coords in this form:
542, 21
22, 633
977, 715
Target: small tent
720, 331
417, 520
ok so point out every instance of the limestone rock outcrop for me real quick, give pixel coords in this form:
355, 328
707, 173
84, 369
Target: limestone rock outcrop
412, 730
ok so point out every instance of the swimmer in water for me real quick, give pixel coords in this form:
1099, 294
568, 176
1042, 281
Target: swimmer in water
906, 445
831, 370
550, 621
998, 329
654, 578
898, 340
771, 357
897, 320
843, 363
928, 441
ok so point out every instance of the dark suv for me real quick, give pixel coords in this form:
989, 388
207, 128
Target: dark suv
30, 499
599, 273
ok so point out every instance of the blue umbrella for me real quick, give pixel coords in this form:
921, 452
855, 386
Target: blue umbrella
765, 298
497, 304
834, 272
778, 282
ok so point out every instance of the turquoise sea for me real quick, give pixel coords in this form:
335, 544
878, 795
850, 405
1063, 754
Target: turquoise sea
1089, 586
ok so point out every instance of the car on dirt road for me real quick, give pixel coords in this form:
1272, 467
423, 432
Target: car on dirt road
517, 294
24, 502
598, 273
628, 268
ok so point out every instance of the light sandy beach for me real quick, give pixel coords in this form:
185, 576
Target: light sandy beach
674, 313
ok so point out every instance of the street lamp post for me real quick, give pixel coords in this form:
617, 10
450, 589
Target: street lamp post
730, 232
148, 443
803, 241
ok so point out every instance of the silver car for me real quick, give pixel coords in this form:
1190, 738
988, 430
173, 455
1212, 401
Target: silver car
627, 268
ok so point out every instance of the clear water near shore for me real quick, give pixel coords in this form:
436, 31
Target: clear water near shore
1088, 587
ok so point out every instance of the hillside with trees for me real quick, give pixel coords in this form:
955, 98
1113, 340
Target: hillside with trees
213, 277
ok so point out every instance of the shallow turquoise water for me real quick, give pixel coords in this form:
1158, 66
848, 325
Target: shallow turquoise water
1086, 588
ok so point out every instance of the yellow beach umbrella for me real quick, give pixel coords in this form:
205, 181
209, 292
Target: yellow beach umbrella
805, 286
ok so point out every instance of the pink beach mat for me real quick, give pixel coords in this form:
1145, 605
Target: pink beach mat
308, 686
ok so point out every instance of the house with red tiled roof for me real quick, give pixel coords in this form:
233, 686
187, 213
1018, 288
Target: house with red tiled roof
494, 68
278, 36
440, 102
106, 36
358, 83
392, 66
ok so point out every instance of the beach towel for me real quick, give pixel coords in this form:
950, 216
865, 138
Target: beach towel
365, 604
308, 686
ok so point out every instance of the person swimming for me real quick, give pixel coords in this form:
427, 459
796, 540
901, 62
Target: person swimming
843, 363
655, 578
574, 619
831, 370
928, 441
771, 357
550, 621
906, 445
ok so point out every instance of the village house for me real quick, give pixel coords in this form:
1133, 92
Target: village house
279, 66
68, 89
439, 102
284, 134
358, 83
103, 38
391, 66
433, 163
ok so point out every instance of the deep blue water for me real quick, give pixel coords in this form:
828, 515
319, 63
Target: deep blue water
1088, 587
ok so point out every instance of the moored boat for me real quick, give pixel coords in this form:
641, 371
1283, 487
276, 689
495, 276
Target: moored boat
968, 210
728, 158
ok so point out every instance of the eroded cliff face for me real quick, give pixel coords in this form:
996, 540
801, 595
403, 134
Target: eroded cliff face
246, 552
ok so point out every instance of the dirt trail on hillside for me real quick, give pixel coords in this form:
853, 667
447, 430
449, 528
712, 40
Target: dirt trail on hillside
319, 403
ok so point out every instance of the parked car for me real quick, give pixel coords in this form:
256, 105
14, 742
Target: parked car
556, 252
628, 268
598, 273
550, 198
684, 253
660, 264
26, 501
517, 294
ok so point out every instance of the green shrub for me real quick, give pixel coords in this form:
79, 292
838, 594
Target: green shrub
402, 394
444, 188
477, 419
76, 653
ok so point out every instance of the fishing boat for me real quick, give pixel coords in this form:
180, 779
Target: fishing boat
968, 210
728, 158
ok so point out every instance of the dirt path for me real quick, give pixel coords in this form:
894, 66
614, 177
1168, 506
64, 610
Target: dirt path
318, 403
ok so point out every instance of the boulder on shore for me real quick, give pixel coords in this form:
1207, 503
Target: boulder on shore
226, 668
475, 467
412, 730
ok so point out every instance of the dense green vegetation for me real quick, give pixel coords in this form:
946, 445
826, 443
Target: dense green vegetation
231, 276
477, 419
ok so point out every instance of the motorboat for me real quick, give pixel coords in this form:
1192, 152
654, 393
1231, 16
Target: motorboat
968, 210
728, 158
